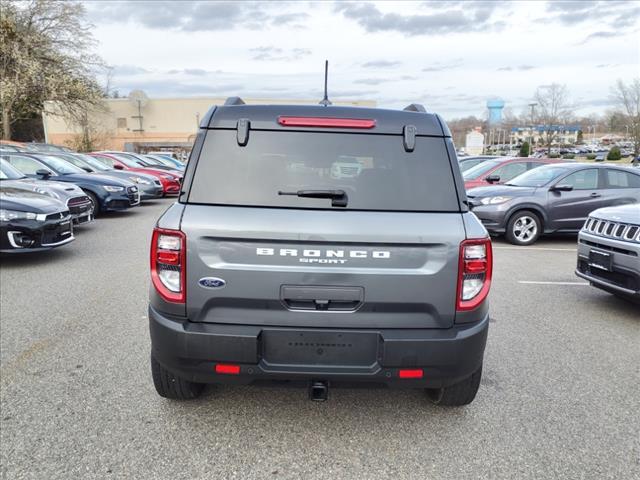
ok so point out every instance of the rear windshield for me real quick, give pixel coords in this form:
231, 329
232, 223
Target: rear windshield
374, 171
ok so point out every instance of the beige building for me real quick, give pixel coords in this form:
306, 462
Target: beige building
161, 124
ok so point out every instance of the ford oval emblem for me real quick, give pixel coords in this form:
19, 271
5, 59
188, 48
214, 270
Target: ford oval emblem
212, 282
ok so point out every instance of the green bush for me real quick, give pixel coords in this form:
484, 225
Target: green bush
569, 156
554, 155
524, 150
614, 154
591, 156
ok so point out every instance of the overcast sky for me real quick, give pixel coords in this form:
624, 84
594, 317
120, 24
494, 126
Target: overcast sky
451, 56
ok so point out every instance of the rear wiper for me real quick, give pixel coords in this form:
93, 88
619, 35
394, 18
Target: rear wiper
338, 197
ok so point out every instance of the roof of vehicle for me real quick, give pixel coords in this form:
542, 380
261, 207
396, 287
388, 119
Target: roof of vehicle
265, 117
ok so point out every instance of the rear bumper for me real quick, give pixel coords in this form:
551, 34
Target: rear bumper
192, 350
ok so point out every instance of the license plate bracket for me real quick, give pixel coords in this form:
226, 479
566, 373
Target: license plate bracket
600, 260
330, 348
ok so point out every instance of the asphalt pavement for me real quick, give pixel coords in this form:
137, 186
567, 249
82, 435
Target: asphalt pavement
560, 394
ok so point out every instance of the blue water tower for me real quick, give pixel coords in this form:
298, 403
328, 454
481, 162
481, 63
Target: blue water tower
495, 107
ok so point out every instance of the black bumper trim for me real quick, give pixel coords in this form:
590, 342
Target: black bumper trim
191, 351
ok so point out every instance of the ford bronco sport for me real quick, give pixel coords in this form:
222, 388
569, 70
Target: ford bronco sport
271, 266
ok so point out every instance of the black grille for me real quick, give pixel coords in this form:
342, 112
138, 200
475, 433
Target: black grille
78, 201
58, 215
618, 278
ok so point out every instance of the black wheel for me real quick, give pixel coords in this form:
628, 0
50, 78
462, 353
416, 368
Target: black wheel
524, 228
169, 386
461, 393
94, 202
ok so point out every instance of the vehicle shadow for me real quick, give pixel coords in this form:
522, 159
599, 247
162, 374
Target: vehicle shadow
21, 260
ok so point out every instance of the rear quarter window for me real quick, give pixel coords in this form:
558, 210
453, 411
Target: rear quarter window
375, 171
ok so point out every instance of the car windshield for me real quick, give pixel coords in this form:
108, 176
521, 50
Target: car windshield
161, 161
537, 177
74, 160
93, 163
139, 162
479, 170
129, 162
7, 172
59, 165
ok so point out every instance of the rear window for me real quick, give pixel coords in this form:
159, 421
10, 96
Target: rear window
480, 169
374, 171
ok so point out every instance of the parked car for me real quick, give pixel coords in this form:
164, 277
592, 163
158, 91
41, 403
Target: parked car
31, 221
609, 250
268, 268
469, 162
171, 183
181, 165
552, 198
167, 163
106, 193
79, 205
501, 170
148, 185
148, 163
47, 148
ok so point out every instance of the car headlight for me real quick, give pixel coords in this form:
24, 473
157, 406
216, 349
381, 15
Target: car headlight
494, 200
7, 215
49, 193
113, 188
139, 180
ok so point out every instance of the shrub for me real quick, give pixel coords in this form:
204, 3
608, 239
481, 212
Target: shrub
569, 156
591, 156
554, 155
614, 154
524, 150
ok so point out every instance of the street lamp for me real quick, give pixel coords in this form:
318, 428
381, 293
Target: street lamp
532, 106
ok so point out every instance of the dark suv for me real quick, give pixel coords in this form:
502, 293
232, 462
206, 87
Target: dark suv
323, 245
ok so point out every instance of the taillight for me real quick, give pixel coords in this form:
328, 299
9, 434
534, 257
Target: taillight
168, 264
474, 273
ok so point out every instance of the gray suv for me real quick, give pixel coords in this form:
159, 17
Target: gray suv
323, 245
609, 250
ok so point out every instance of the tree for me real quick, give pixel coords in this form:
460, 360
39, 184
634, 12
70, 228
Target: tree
554, 110
614, 154
628, 98
45, 55
524, 150
580, 139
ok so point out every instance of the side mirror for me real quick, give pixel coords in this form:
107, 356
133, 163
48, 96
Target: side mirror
492, 178
43, 173
117, 166
87, 169
563, 187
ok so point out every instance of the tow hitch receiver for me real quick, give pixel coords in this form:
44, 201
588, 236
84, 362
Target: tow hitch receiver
318, 391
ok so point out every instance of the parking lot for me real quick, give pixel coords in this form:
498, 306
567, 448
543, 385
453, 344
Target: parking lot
559, 395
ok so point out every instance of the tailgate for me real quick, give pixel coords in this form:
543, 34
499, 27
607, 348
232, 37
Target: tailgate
319, 268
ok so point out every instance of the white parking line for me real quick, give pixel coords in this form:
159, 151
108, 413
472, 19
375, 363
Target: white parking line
537, 248
533, 282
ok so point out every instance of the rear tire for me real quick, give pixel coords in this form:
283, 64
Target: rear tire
524, 228
169, 386
459, 394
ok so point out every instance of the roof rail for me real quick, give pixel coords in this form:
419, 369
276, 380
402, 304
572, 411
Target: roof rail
234, 101
415, 107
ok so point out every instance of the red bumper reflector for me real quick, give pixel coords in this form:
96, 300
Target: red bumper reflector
326, 122
475, 266
415, 373
228, 369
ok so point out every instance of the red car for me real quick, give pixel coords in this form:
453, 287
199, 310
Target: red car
171, 183
501, 170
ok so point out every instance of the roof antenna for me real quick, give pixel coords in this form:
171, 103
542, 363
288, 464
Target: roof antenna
325, 101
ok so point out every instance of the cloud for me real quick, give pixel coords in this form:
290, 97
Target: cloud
519, 67
371, 81
449, 17
193, 16
128, 70
441, 66
278, 54
609, 13
381, 64
599, 35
